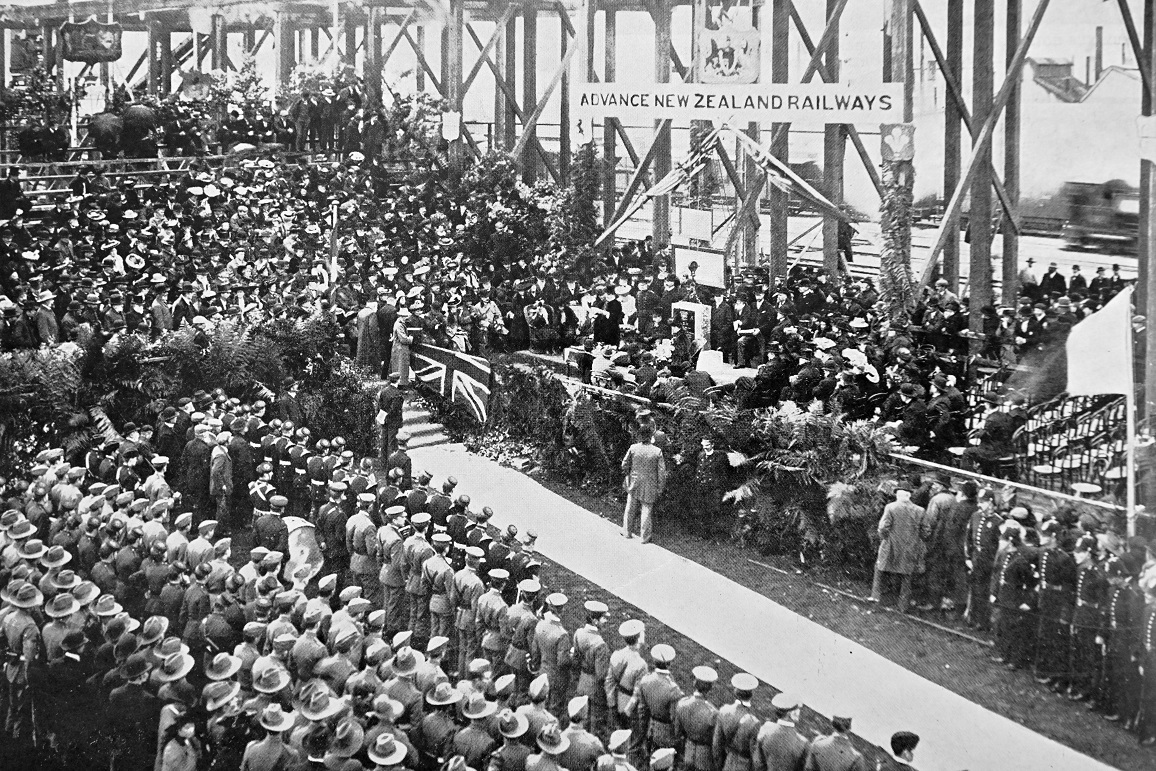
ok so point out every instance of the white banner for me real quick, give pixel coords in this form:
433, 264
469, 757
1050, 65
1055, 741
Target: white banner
766, 102
709, 266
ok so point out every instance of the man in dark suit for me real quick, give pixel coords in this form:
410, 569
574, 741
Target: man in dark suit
1098, 288
386, 318
287, 406
1051, 282
722, 327
1077, 282
197, 458
390, 404
400, 459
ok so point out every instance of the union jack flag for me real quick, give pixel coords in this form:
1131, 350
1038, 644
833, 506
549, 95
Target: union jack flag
458, 377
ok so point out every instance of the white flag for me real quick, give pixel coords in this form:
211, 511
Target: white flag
1099, 350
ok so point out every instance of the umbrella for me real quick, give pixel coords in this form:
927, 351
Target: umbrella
105, 126
138, 116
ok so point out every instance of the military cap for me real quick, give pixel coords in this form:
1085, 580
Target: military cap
222, 546
745, 682
595, 607
345, 638
499, 574
539, 686
442, 539
528, 586
278, 501
631, 628
376, 619
619, 740
359, 605
184, 520
420, 519
160, 460
338, 487
327, 583
784, 702
704, 674
394, 511
138, 505
254, 629
401, 639
258, 553
124, 499
662, 654
349, 593
366, 499
557, 600
662, 759
474, 553
311, 616
264, 468
512, 724
504, 685
436, 644
577, 707
207, 526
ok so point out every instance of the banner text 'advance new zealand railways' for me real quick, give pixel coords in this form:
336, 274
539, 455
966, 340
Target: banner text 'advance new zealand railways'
771, 102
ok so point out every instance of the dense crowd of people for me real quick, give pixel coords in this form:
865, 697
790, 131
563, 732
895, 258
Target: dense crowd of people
132, 634
1070, 601
417, 636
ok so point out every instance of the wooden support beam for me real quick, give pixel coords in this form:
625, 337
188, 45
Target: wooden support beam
532, 121
495, 38
372, 70
397, 38
661, 131
779, 200
511, 98
453, 58
1145, 298
952, 68
609, 132
152, 51
568, 47
286, 47
529, 87
419, 36
660, 220
979, 216
1011, 163
509, 75
834, 153
982, 139
249, 41
955, 99
1138, 48
166, 53
349, 53
219, 42
423, 64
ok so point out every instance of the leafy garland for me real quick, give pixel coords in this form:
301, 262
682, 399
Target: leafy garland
896, 287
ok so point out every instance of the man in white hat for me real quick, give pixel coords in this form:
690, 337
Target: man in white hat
592, 661
522, 621
585, 748
736, 728
464, 591
694, 722
536, 712
655, 696
550, 650
779, 744
416, 551
626, 667
617, 746
436, 577
393, 569
491, 617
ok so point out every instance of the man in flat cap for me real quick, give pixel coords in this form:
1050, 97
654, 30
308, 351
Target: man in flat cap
585, 747
626, 667
655, 696
392, 577
694, 722
550, 651
464, 590
779, 743
592, 662
735, 731
835, 752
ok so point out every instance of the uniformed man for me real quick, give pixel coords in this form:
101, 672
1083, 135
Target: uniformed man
626, 667
512, 755
550, 651
399, 459
436, 579
835, 752
1120, 694
694, 722
536, 710
200, 549
364, 548
585, 747
737, 727
1146, 720
552, 744
1012, 594
592, 661
490, 619
1086, 656
779, 743
156, 486
435, 734
392, 575
270, 530
464, 591
981, 549
655, 696
1056, 598
261, 490
518, 628
617, 747
416, 551
23, 651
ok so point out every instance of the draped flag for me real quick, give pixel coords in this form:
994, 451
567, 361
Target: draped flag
1099, 350
688, 169
458, 377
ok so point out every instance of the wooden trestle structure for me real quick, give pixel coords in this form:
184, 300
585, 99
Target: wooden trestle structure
477, 35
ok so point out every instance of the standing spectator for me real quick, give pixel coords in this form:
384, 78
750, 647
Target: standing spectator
835, 752
903, 744
390, 406
722, 326
645, 470
399, 353
221, 477
900, 548
1052, 283
945, 531
1012, 583
181, 750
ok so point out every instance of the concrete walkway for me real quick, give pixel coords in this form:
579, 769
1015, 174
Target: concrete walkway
831, 674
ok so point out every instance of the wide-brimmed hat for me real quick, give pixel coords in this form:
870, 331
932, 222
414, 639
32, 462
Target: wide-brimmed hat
274, 719
223, 666
406, 661
512, 724
347, 739
271, 680
175, 667
552, 741
22, 594
55, 557
153, 629
63, 604
388, 751
66, 581
217, 694
477, 707
319, 705
106, 605
442, 694
84, 592
33, 549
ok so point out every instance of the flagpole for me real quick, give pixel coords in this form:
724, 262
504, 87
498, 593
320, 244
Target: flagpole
1130, 435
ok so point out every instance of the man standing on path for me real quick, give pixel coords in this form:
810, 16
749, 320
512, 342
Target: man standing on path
645, 470
390, 406
900, 547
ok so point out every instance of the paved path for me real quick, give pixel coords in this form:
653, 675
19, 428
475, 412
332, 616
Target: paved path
831, 674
